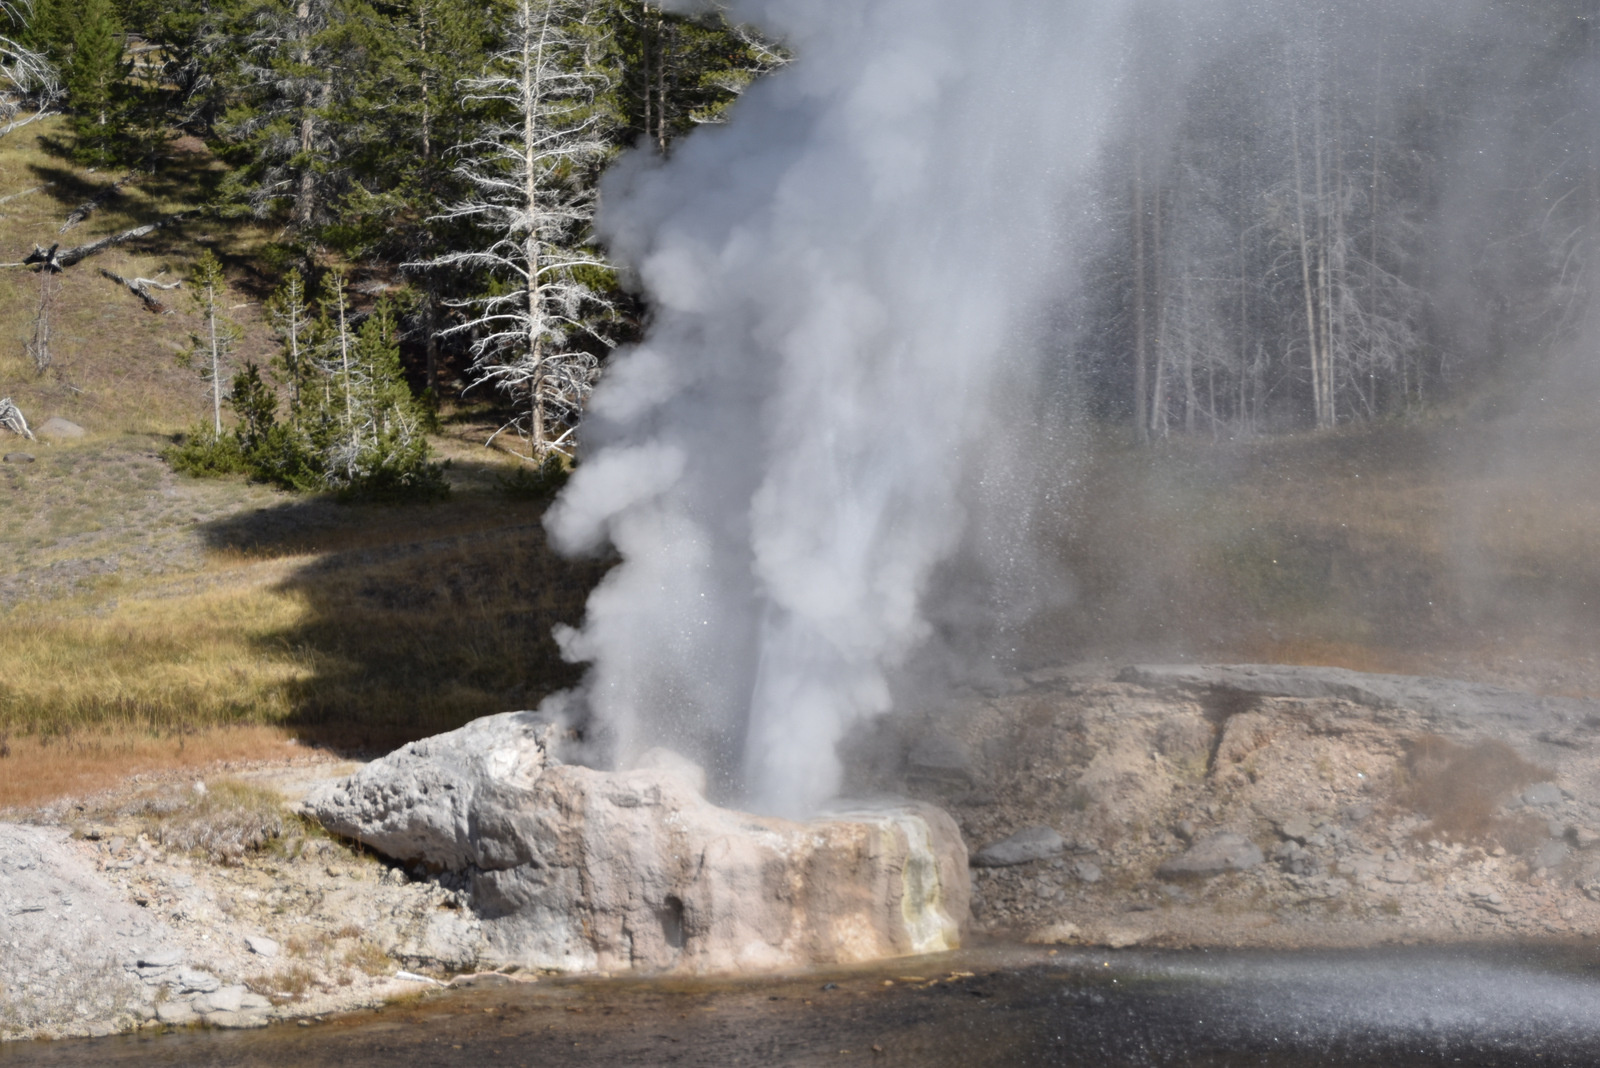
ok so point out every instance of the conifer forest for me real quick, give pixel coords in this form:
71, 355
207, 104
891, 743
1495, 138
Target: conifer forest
1343, 213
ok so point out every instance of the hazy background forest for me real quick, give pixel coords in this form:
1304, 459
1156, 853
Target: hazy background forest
1326, 396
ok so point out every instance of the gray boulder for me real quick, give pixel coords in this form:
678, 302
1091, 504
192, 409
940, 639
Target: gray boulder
57, 428
1214, 855
1028, 844
453, 801
571, 869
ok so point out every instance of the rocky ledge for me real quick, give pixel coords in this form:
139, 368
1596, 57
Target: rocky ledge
1260, 805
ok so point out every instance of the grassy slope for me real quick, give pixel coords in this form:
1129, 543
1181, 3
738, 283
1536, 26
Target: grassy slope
1465, 543
149, 620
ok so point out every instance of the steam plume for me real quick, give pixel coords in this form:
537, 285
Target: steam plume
845, 279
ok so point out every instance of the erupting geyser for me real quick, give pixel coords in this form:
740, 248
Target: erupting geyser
846, 282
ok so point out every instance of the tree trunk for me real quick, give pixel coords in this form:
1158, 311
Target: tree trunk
1313, 338
531, 61
1141, 415
1158, 403
216, 363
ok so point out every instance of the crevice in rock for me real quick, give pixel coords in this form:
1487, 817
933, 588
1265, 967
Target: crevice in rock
1220, 704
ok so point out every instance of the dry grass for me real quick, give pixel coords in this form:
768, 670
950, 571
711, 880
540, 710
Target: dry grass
1450, 546
40, 768
368, 958
285, 984
113, 364
224, 821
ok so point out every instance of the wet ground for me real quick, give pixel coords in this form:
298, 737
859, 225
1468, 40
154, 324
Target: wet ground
1401, 1007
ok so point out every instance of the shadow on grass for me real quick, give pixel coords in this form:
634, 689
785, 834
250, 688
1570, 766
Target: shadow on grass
413, 619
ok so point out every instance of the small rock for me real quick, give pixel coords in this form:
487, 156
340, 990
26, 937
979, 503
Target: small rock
1087, 872
1184, 829
1583, 837
1122, 937
1399, 872
228, 999
19, 457
1056, 934
161, 958
1544, 793
261, 946
254, 1003
1214, 855
1294, 858
236, 1021
1296, 829
1549, 855
192, 980
940, 754
1028, 844
174, 1012
1356, 814
57, 427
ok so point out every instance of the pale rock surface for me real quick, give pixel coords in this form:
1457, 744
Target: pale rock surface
67, 939
1213, 855
573, 869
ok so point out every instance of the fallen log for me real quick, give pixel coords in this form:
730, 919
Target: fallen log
140, 287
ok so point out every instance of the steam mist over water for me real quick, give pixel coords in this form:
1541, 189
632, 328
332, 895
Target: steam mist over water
844, 282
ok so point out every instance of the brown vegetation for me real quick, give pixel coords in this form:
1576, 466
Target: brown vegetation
1461, 788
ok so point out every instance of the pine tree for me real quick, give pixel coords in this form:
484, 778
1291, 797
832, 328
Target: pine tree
290, 316
95, 74
210, 346
405, 115
298, 61
671, 73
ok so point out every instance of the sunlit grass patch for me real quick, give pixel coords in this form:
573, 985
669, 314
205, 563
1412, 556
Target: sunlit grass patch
39, 768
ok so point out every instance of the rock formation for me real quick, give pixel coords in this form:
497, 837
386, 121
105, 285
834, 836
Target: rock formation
572, 869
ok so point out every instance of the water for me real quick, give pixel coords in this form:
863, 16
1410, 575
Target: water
1399, 1007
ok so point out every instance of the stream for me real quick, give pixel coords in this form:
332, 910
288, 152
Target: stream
1397, 1006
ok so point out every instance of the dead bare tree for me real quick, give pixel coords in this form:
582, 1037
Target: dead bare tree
530, 198
12, 419
29, 88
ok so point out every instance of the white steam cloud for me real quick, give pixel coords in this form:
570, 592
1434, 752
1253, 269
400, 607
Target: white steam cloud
846, 282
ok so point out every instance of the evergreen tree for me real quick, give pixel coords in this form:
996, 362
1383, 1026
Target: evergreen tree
297, 65
96, 70
671, 73
406, 113
210, 346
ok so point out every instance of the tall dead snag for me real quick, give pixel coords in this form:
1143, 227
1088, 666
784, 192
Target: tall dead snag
531, 200
38, 344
